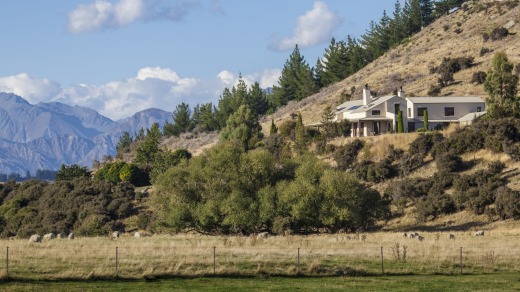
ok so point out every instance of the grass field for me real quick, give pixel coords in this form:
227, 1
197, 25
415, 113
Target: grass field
235, 256
486, 282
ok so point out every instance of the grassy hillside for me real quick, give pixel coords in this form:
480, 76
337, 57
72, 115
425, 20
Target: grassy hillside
456, 35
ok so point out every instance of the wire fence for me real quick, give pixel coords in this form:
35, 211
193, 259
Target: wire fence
83, 261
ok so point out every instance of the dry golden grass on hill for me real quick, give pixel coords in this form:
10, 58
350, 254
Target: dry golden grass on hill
409, 63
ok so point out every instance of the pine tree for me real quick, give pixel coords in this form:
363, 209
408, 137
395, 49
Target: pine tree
426, 12
502, 87
356, 56
396, 25
300, 141
256, 100
318, 73
182, 122
243, 126
296, 81
334, 63
273, 129
425, 121
124, 144
400, 124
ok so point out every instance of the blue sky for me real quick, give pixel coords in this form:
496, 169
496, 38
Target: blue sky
122, 56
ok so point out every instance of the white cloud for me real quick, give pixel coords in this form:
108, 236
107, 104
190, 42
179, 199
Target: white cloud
104, 14
151, 87
32, 89
314, 27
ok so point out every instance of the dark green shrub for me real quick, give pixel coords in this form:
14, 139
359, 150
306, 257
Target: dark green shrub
484, 51
479, 77
448, 162
346, 155
498, 33
507, 203
434, 205
435, 90
424, 143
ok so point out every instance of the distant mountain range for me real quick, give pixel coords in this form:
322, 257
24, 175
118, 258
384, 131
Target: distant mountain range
46, 135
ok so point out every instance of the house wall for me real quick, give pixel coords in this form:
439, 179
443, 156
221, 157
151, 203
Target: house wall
436, 110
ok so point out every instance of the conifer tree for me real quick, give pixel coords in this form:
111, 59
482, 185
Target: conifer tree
502, 87
296, 81
400, 124
256, 100
425, 121
243, 126
182, 122
300, 140
273, 129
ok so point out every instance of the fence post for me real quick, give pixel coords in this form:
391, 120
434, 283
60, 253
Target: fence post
382, 262
7, 264
298, 260
461, 259
214, 260
117, 260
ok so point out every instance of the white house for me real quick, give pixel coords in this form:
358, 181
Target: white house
373, 116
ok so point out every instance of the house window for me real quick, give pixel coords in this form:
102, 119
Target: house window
449, 111
409, 112
479, 109
421, 110
376, 112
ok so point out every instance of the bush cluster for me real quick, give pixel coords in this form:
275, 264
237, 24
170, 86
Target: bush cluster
497, 33
229, 191
81, 205
479, 77
477, 191
346, 155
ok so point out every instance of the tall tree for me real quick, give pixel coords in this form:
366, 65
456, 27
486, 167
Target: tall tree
425, 121
256, 100
396, 25
300, 140
148, 147
243, 126
334, 65
502, 87
70, 172
124, 144
426, 12
296, 81
181, 121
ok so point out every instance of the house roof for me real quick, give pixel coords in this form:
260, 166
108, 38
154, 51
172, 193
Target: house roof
446, 99
349, 105
372, 104
471, 116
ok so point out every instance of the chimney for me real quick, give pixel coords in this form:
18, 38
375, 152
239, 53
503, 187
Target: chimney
400, 93
367, 97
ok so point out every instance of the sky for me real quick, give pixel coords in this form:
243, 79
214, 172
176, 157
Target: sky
123, 56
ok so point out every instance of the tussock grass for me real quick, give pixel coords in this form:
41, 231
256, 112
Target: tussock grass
192, 255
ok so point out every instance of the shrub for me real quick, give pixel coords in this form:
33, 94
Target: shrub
346, 155
479, 77
498, 33
448, 162
484, 51
287, 129
507, 203
408, 163
435, 90
434, 205
424, 143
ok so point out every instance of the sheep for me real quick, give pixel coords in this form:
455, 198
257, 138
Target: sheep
137, 234
263, 235
420, 238
405, 235
61, 236
71, 236
479, 233
35, 238
49, 236
411, 235
451, 236
115, 235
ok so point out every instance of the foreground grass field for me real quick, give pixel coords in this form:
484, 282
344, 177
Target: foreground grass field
486, 282
235, 256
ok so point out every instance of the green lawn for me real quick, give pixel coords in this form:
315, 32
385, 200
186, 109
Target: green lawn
488, 282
